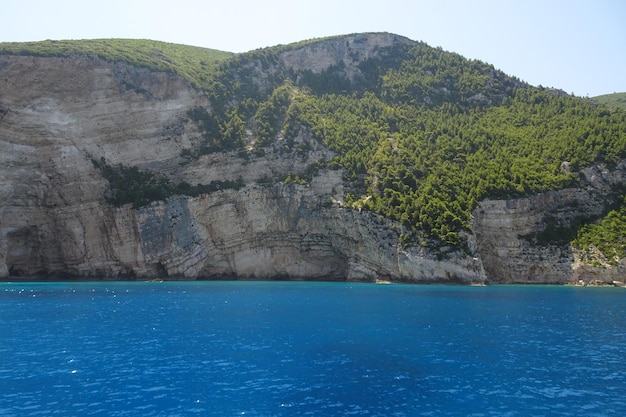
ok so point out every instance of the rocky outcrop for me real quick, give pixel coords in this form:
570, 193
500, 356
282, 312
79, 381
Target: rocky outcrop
345, 51
58, 115
58, 112
527, 240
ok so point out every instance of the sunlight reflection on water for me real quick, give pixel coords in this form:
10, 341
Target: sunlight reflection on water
229, 348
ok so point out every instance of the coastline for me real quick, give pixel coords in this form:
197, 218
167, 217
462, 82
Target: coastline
69, 279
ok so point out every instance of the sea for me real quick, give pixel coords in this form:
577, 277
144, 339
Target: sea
222, 348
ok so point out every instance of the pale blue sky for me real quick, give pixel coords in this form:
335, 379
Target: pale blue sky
576, 45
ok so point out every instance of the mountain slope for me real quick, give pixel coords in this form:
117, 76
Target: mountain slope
351, 157
193, 63
617, 100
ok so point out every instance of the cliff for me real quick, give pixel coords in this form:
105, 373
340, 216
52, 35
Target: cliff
60, 113
527, 240
59, 116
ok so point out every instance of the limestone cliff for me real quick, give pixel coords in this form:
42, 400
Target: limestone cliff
60, 114
527, 240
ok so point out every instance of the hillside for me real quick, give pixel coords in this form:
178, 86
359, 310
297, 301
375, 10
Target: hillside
422, 139
615, 100
193, 63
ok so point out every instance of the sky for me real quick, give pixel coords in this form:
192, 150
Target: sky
576, 45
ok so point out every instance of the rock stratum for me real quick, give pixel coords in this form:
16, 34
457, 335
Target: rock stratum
60, 114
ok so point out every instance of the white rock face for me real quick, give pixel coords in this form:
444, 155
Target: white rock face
347, 51
57, 114
512, 234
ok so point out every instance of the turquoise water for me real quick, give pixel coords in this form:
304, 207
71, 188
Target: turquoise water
310, 349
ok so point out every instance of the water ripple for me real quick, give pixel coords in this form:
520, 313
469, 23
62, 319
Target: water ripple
285, 349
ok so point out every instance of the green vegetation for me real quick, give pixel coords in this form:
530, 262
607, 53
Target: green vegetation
270, 115
422, 134
428, 167
129, 185
615, 100
604, 242
296, 179
193, 63
432, 77
226, 134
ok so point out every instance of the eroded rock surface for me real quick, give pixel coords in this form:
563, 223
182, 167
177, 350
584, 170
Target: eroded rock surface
58, 115
527, 240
